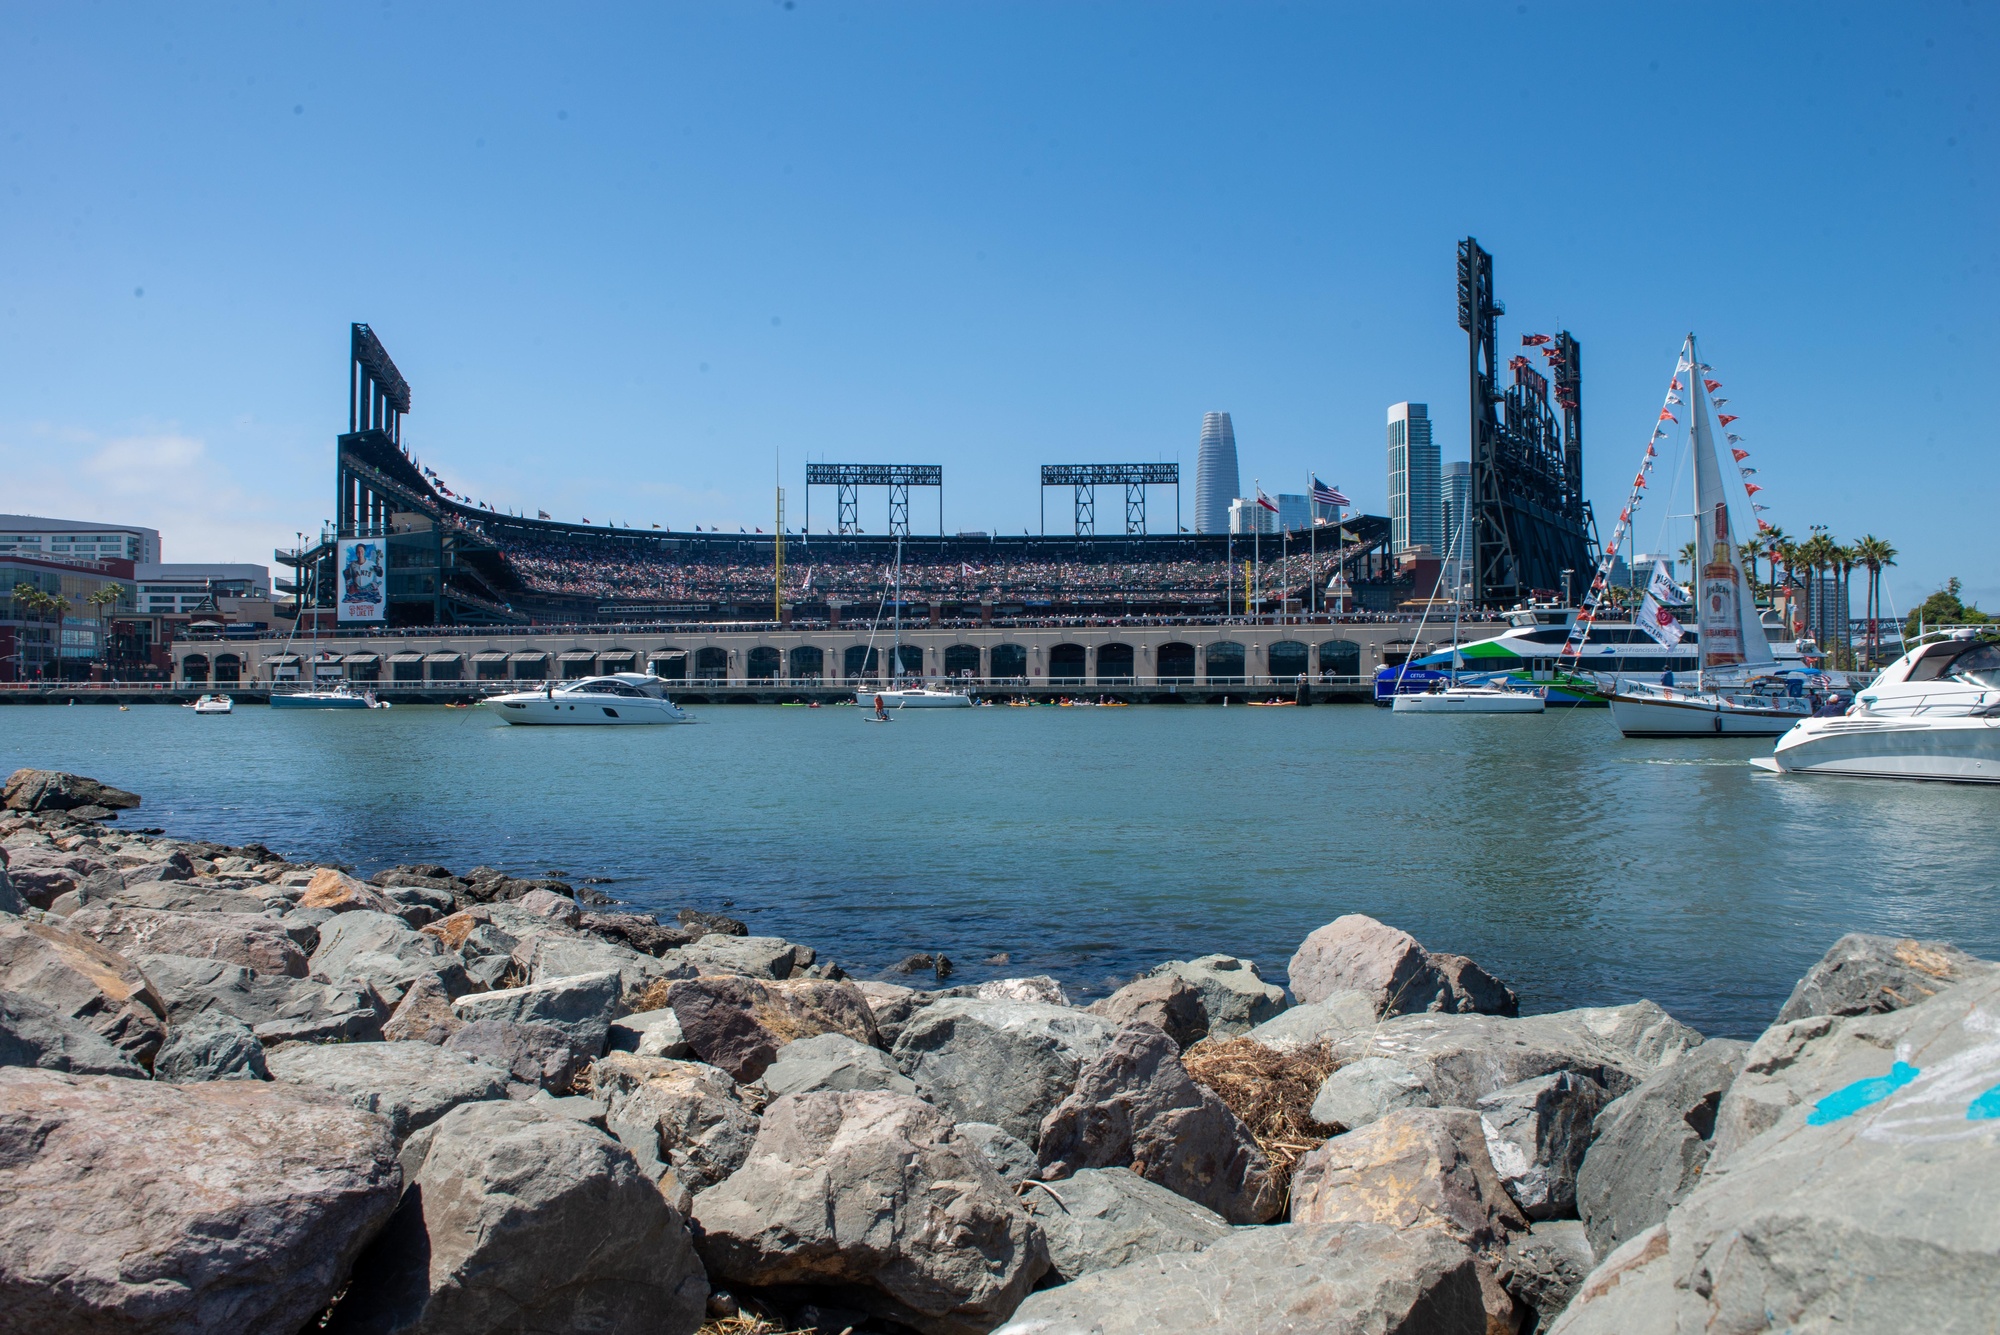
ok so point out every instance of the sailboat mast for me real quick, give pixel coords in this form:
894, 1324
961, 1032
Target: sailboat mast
896, 648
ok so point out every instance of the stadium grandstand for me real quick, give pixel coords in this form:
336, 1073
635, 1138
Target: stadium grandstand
452, 561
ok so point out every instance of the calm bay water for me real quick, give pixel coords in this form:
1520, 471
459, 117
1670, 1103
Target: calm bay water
1579, 867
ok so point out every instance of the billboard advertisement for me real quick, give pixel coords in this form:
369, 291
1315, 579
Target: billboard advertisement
364, 584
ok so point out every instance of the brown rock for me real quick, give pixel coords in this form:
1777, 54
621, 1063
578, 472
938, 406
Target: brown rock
453, 930
424, 1014
74, 976
1168, 1002
238, 938
230, 1205
739, 1023
335, 890
1356, 953
1414, 1168
1135, 1107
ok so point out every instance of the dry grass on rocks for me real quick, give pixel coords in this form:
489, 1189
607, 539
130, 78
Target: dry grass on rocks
745, 1324
654, 998
1271, 1091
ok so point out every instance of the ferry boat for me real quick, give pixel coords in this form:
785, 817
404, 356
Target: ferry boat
618, 700
1525, 654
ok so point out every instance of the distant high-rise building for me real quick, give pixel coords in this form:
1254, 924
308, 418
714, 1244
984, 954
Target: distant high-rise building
1215, 479
1457, 492
1247, 517
1294, 512
1416, 507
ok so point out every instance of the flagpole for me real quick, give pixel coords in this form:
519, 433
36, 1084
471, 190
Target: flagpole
1312, 551
1257, 547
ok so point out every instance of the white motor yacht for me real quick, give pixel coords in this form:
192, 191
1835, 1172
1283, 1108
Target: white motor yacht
620, 699
338, 696
1470, 700
1933, 714
212, 704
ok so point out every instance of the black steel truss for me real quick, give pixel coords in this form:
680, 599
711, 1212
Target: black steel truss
1530, 522
846, 479
1084, 479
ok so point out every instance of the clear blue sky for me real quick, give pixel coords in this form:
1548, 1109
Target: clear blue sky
628, 256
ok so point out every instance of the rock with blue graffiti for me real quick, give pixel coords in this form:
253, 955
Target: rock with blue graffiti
1865, 1203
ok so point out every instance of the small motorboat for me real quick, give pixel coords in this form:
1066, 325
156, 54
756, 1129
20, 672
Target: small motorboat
621, 699
1933, 714
210, 704
1447, 699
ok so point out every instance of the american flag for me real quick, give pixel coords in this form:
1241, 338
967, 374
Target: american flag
1325, 495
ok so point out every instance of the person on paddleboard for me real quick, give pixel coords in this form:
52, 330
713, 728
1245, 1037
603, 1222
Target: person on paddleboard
881, 710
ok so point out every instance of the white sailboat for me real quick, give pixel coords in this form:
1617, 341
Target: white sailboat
1737, 691
899, 694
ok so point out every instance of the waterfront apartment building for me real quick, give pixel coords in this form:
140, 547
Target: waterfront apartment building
1416, 504
77, 539
1216, 481
178, 589
59, 634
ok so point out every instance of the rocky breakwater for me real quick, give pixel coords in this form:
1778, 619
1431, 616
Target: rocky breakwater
239, 1093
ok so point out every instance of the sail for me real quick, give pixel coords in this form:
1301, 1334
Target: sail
1725, 613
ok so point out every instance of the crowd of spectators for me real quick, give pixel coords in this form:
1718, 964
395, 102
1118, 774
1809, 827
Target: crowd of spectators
660, 574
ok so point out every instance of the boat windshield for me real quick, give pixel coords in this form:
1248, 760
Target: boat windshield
1979, 667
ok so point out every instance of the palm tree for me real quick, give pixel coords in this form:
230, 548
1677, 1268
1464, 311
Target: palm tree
108, 596
1688, 556
1753, 547
1874, 553
1811, 556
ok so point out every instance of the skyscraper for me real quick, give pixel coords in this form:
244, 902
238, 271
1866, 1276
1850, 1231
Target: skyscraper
1457, 492
1416, 507
1215, 479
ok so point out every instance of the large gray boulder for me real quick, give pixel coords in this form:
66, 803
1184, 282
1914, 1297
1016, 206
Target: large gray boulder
53, 790
1005, 1062
1009, 1156
139, 1206
1395, 972
650, 1034
211, 1046
740, 1023
875, 1193
255, 942
523, 1220
1168, 1002
1536, 1134
1294, 1279
543, 955
1332, 1019
1651, 1145
1866, 1203
32, 1034
1864, 975
1101, 1218
768, 957
582, 1006
74, 976
411, 1084
892, 1005
684, 1122
1135, 1106
1234, 997
277, 1009
1453, 1061
540, 1055
834, 1061
386, 953
424, 1015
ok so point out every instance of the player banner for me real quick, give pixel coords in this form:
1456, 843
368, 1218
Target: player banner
364, 586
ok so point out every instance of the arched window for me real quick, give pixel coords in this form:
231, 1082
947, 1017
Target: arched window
1066, 662
228, 669
860, 661
961, 660
808, 661
668, 664
1176, 662
911, 657
1340, 658
763, 663
1114, 663
711, 664
1288, 659
194, 667
1010, 662
1225, 662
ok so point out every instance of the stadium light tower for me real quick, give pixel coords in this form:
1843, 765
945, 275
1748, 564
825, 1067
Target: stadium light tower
847, 479
1084, 479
